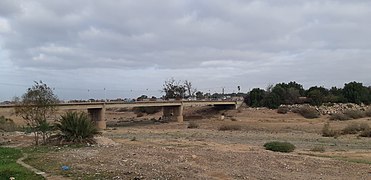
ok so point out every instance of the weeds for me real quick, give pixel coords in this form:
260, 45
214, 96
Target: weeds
9, 167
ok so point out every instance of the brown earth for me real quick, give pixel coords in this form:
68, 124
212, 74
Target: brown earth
144, 149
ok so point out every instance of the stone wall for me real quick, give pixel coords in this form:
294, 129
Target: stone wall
330, 108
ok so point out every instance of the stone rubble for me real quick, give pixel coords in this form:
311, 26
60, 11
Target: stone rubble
330, 108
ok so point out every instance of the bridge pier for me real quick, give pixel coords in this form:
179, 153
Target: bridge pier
173, 113
97, 115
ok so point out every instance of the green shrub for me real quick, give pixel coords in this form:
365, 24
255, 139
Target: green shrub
7, 124
279, 146
355, 114
339, 117
309, 112
282, 110
76, 127
230, 127
327, 132
192, 125
318, 149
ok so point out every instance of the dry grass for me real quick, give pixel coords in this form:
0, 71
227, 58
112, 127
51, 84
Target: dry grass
192, 125
229, 127
355, 114
328, 132
318, 149
339, 117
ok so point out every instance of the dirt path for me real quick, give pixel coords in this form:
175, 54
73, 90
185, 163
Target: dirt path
38, 172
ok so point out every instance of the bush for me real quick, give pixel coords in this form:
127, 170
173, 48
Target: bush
282, 110
192, 125
277, 146
309, 112
339, 117
366, 133
318, 149
368, 113
354, 128
7, 124
230, 127
76, 127
327, 132
355, 114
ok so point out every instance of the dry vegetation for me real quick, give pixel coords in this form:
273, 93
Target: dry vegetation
206, 147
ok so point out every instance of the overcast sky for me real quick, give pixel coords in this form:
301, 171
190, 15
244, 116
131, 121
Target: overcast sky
130, 47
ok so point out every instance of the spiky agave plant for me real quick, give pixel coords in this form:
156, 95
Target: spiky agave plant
76, 127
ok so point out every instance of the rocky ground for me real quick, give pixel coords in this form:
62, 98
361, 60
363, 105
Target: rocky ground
138, 148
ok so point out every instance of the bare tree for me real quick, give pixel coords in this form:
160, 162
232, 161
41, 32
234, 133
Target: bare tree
35, 107
191, 91
173, 89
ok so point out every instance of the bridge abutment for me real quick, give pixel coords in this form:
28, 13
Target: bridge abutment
97, 115
173, 113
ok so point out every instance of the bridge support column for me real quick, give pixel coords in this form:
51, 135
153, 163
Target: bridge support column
97, 115
173, 113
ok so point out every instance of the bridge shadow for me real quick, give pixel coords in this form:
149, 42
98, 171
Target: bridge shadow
133, 123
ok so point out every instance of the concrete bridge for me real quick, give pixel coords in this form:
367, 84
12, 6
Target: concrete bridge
172, 110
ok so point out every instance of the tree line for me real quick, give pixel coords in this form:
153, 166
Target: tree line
294, 93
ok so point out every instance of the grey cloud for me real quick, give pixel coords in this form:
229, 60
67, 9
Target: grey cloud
251, 42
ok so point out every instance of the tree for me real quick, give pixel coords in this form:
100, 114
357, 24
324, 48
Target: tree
356, 93
317, 95
271, 100
191, 91
255, 97
36, 106
200, 95
173, 89
142, 97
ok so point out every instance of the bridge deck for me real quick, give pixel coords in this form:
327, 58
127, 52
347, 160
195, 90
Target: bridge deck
93, 105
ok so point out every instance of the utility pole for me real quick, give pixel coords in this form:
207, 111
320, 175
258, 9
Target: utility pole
105, 95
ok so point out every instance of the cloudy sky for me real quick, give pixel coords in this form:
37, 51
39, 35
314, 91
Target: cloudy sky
130, 47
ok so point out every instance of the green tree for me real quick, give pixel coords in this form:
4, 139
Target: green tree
36, 106
271, 100
317, 95
355, 92
255, 97
200, 95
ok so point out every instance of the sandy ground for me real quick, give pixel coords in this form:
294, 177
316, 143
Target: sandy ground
143, 149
